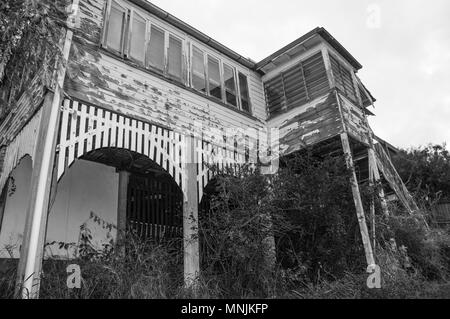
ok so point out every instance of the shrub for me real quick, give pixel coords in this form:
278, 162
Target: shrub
306, 210
426, 172
236, 228
427, 249
314, 194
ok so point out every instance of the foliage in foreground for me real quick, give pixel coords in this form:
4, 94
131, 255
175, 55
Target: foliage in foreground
29, 45
426, 172
307, 213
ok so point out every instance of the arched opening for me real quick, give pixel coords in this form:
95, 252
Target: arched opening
14, 206
154, 200
88, 199
154, 206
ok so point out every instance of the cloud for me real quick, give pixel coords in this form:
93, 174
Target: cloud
406, 60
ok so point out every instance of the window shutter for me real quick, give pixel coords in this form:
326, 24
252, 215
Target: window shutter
198, 70
156, 48
116, 26
275, 95
245, 95
215, 86
137, 38
175, 57
294, 87
315, 76
343, 79
230, 85
298, 85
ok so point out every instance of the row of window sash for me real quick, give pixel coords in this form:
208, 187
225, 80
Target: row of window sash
211, 76
158, 50
131, 35
167, 61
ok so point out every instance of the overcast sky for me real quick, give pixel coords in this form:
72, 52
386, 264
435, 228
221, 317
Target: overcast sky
403, 45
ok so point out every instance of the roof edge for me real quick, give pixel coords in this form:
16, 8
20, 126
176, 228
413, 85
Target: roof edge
317, 31
247, 62
164, 15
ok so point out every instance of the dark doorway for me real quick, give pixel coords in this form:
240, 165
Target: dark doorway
155, 207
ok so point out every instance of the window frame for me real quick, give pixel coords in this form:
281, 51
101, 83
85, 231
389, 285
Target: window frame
125, 28
221, 83
146, 38
249, 101
184, 66
161, 71
191, 68
236, 82
207, 52
187, 49
126, 37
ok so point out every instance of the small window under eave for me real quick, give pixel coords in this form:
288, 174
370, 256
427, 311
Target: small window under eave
115, 31
137, 38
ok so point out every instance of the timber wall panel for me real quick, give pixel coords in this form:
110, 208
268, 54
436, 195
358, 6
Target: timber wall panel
24, 143
96, 77
310, 124
26, 106
354, 120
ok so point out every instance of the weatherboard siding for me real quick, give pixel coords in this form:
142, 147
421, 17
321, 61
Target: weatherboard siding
309, 124
26, 106
102, 79
354, 120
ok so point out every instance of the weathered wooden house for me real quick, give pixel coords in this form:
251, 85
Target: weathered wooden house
143, 102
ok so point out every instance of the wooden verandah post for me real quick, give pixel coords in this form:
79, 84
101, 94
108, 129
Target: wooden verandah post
31, 253
124, 178
190, 216
32, 250
358, 201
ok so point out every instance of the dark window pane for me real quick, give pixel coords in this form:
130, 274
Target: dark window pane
175, 57
156, 48
215, 87
137, 42
115, 27
230, 85
198, 70
243, 86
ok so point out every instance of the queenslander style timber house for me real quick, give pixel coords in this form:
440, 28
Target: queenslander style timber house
124, 132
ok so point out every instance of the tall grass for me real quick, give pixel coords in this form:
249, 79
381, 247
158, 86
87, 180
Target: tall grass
304, 217
135, 269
